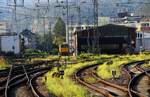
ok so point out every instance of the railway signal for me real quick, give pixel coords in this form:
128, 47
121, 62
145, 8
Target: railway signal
113, 73
61, 72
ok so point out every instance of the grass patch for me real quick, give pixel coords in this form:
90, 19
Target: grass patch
105, 70
90, 80
146, 65
45, 58
3, 63
66, 87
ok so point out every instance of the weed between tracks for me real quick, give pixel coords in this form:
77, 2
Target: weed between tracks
105, 70
146, 65
66, 87
3, 63
45, 58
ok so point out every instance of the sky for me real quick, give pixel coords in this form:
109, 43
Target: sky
105, 10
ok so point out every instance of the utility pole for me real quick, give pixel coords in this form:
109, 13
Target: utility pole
67, 32
44, 33
79, 13
14, 4
44, 16
71, 38
14, 15
96, 34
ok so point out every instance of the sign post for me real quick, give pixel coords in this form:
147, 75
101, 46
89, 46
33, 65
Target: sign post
113, 73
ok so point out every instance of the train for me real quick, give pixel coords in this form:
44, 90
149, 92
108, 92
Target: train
64, 49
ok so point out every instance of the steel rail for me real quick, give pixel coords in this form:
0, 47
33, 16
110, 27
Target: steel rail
133, 81
34, 90
18, 79
90, 86
125, 68
9, 75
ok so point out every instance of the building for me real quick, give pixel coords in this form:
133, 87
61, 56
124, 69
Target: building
29, 39
10, 43
144, 11
110, 38
72, 29
142, 26
143, 36
103, 21
4, 27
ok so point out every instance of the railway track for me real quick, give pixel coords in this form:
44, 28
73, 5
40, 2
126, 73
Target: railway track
22, 75
81, 81
127, 68
133, 72
105, 91
4, 73
115, 91
141, 81
25, 75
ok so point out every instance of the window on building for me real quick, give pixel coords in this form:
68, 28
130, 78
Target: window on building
137, 34
145, 24
140, 35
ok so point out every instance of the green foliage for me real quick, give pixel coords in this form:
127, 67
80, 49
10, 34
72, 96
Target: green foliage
105, 70
66, 87
58, 39
3, 63
48, 41
59, 32
60, 27
86, 56
44, 42
90, 56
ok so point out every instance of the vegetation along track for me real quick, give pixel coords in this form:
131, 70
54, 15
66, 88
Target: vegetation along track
99, 89
22, 74
105, 91
139, 85
133, 80
127, 68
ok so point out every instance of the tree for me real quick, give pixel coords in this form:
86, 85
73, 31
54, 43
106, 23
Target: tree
59, 32
44, 43
49, 39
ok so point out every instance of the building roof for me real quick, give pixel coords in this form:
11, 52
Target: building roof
109, 29
27, 33
8, 34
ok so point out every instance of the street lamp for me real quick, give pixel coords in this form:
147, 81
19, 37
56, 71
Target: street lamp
67, 32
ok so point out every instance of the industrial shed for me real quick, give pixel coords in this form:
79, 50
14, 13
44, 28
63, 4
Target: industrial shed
108, 38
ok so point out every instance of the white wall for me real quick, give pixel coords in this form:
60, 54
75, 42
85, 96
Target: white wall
146, 41
138, 44
3, 27
103, 21
7, 43
147, 44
